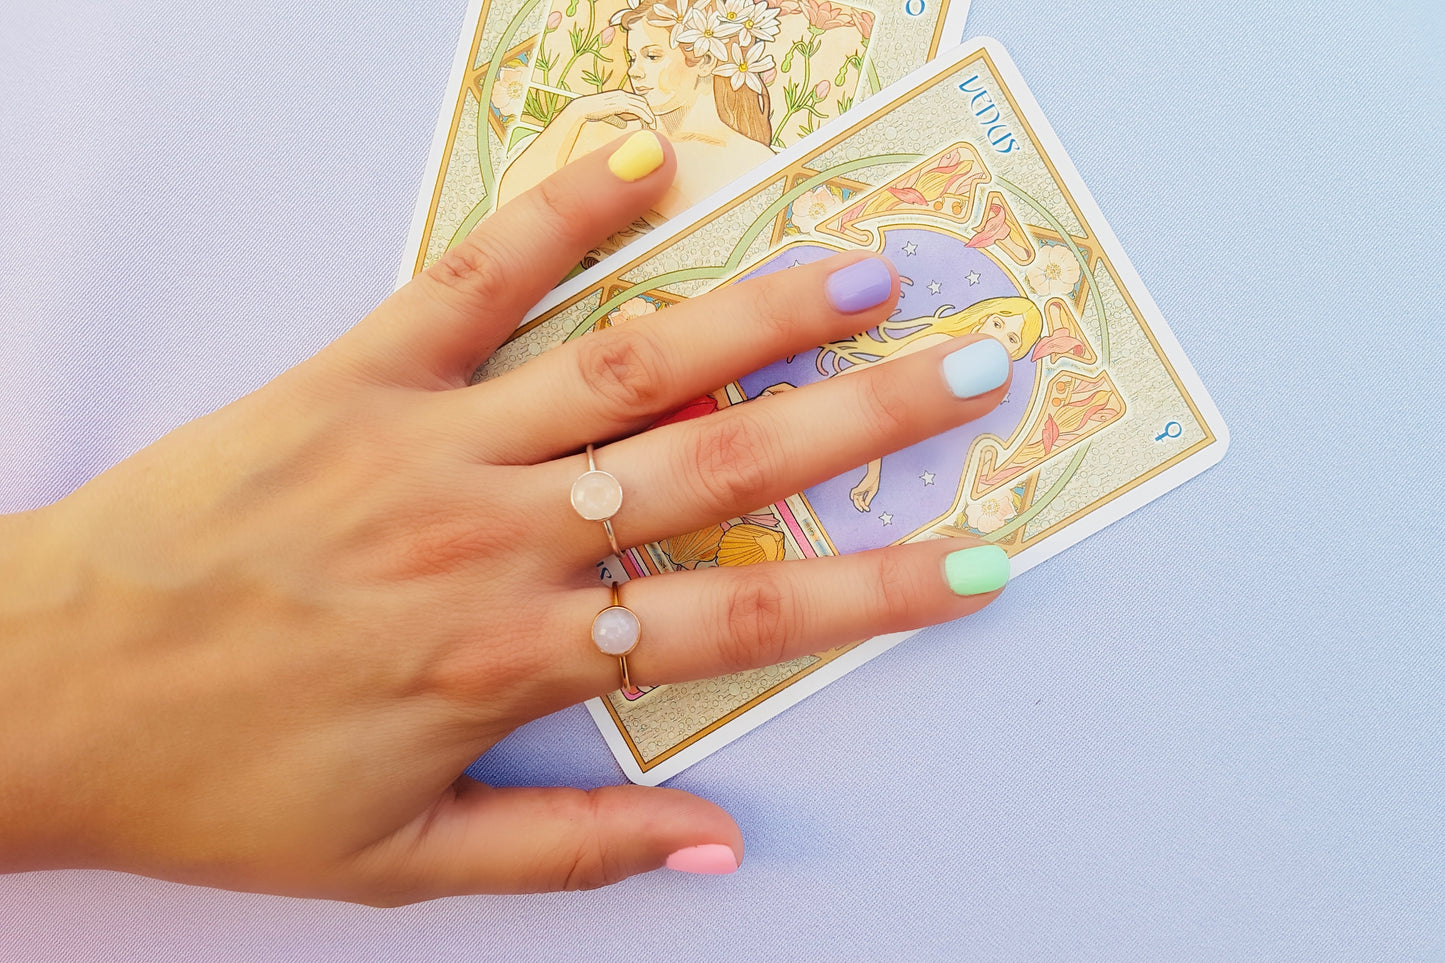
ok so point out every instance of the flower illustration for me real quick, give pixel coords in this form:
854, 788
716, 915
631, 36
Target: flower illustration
863, 20
631, 310
1055, 272
554, 20
814, 207
991, 512
674, 17
510, 90
702, 33
746, 21
823, 15
605, 37
746, 66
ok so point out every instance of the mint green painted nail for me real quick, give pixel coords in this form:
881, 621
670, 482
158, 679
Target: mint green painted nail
974, 571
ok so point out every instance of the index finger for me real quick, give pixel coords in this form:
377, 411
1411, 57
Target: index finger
450, 318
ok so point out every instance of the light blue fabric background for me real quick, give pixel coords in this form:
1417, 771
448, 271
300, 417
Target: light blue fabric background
1213, 731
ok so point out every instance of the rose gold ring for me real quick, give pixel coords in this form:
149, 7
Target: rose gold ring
616, 631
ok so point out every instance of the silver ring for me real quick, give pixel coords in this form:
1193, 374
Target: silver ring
597, 497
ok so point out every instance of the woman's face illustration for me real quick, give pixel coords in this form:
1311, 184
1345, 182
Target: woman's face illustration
658, 71
1007, 331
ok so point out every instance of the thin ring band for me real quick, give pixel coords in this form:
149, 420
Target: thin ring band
606, 526
596, 496
616, 630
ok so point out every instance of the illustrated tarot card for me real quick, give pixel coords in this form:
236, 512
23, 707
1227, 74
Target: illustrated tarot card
954, 175
537, 83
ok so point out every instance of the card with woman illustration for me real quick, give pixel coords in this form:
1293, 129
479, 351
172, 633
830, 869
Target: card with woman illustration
955, 176
731, 83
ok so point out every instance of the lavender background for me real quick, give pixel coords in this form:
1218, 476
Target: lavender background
1212, 731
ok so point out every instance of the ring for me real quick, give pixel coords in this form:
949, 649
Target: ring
597, 496
616, 631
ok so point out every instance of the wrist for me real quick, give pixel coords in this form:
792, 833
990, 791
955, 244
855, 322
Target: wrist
41, 599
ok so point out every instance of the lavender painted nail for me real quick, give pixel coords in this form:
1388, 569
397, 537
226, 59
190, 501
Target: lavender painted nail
859, 286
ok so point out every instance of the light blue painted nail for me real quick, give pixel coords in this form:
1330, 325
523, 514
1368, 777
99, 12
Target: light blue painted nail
977, 368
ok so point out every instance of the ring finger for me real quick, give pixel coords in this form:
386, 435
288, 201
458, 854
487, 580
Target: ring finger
717, 621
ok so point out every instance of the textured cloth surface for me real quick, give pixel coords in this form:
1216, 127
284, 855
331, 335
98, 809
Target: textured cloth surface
1212, 731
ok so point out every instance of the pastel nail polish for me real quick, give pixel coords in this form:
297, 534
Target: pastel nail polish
639, 155
859, 286
976, 571
977, 368
712, 859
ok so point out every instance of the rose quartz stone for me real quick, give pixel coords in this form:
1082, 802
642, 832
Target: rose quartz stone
596, 495
616, 630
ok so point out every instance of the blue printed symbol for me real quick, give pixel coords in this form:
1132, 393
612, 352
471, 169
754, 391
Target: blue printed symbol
914, 8
1171, 430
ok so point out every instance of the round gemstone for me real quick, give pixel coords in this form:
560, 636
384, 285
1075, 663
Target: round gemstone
596, 495
616, 630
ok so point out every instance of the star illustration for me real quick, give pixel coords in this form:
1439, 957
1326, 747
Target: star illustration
886, 518
795, 263
972, 277
1005, 399
934, 287
910, 249
927, 477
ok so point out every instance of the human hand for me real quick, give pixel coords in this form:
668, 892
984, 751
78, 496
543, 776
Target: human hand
616, 107
863, 492
260, 653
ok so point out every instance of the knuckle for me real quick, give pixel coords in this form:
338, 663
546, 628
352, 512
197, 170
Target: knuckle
884, 407
732, 462
624, 367
477, 269
590, 862
761, 626
563, 212
899, 590
775, 307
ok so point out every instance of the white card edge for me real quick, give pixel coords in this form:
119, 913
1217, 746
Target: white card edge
954, 23
437, 155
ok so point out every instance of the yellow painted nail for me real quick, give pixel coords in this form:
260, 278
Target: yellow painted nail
639, 155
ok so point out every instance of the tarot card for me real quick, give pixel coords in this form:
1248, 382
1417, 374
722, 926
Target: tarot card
537, 83
955, 175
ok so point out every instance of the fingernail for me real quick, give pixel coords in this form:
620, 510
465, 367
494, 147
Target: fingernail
977, 368
713, 859
975, 571
639, 155
859, 286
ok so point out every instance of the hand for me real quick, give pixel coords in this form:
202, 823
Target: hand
610, 106
862, 493
260, 653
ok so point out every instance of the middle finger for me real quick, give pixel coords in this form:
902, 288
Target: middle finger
685, 476
620, 379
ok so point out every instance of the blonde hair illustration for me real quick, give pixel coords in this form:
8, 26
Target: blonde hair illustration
896, 333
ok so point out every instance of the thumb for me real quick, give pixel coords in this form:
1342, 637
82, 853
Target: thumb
481, 839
